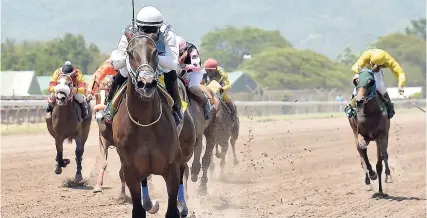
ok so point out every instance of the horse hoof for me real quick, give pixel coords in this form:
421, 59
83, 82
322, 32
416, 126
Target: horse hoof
155, 208
373, 176
97, 189
78, 177
388, 179
58, 170
123, 199
182, 207
194, 178
369, 187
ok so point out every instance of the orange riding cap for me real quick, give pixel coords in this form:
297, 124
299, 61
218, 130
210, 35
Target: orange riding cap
104, 70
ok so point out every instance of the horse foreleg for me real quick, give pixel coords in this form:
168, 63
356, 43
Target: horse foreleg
60, 162
233, 139
367, 165
172, 179
217, 153
379, 170
384, 154
79, 156
135, 192
206, 161
224, 149
182, 205
196, 166
147, 203
103, 148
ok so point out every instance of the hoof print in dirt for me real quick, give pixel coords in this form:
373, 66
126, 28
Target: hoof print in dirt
71, 183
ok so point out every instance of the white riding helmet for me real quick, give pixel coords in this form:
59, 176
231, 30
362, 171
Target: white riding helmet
149, 16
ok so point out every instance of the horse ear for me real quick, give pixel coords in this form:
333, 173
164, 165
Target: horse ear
355, 81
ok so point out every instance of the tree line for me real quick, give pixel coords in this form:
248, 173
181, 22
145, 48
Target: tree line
273, 62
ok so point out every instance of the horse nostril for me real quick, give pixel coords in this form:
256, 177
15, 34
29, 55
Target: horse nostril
359, 102
140, 84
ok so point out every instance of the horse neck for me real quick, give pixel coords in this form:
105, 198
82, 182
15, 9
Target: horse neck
372, 106
144, 111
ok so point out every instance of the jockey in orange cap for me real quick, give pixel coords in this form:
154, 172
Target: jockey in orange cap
215, 72
79, 90
189, 59
104, 70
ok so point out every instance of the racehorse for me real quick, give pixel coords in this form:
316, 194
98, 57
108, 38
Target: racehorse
145, 132
371, 124
65, 122
231, 138
216, 130
106, 137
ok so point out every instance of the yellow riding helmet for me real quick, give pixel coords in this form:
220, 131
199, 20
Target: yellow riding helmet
378, 58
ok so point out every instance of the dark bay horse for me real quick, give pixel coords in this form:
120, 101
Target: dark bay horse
106, 138
65, 122
145, 132
371, 124
217, 130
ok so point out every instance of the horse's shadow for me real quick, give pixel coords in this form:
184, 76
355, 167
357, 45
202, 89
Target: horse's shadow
229, 180
225, 204
377, 196
72, 184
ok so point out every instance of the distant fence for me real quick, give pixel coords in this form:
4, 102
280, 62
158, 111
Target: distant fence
32, 111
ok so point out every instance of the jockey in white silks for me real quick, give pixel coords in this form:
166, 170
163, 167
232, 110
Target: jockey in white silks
150, 20
189, 59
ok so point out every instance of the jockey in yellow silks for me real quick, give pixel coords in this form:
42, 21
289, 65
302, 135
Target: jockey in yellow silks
79, 88
377, 59
217, 73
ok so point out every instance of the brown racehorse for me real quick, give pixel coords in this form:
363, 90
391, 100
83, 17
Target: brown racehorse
106, 138
371, 124
145, 132
66, 123
217, 130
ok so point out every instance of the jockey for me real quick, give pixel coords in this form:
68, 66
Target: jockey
377, 59
79, 89
150, 20
189, 57
214, 72
105, 69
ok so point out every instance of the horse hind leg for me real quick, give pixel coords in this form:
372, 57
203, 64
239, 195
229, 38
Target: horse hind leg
79, 156
196, 166
224, 149
384, 154
147, 203
123, 198
367, 180
217, 153
182, 205
103, 148
233, 139
206, 161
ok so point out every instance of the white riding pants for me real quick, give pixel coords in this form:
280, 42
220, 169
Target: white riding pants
379, 82
194, 78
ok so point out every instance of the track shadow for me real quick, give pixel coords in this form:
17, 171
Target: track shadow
222, 204
377, 196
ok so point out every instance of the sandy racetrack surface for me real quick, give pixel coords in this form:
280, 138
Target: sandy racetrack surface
299, 168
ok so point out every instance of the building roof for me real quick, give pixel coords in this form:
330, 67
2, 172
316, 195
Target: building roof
19, 83
234, 76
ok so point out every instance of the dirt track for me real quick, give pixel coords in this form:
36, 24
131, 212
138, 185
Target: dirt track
301, 168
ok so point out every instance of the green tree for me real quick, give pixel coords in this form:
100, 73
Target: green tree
417, 28
347, 57
409, 51
228, 45
45, 56
288, 68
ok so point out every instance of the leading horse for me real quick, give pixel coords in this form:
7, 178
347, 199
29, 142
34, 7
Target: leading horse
371, 124
145, 132
65, 122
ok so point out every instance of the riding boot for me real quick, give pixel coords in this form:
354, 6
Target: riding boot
197, 91
389, 105
118, 81
84, 109
349, 108
172, 88
233, 109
